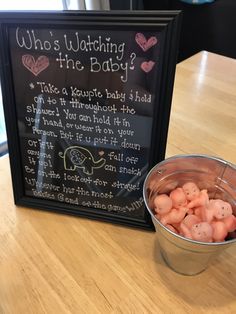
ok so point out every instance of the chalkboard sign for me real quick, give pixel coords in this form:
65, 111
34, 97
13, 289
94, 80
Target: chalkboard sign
87, 101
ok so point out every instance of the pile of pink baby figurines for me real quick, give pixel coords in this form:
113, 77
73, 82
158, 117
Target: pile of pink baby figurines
189, 212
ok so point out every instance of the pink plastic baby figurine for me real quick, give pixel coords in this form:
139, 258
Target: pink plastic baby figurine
201, 200
186, 225
219, 231
174, 216
178, 198
191, 190
162, 204
179, 209
170, 227
222, 209
217, 209
202, 231
230, 223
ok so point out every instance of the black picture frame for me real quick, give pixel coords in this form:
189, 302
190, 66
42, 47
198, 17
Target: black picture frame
32, 158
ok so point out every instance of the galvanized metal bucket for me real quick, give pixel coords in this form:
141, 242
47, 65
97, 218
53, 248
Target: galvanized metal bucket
218, 176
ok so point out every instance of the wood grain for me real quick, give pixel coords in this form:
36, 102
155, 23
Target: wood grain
203, 116
51, 263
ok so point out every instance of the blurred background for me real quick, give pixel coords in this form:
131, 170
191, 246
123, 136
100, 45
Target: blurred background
207, 25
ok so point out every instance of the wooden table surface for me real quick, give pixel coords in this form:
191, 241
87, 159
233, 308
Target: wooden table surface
51, 263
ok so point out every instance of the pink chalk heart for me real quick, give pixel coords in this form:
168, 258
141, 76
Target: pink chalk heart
33, 66
144, 43
147, 66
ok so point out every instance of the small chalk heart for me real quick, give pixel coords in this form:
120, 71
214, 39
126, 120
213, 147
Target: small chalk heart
101, 153
147, 66
144, 43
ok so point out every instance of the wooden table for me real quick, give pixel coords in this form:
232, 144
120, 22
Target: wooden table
51, 263
203, 117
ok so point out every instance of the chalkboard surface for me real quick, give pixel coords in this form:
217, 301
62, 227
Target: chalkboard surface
87, 100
